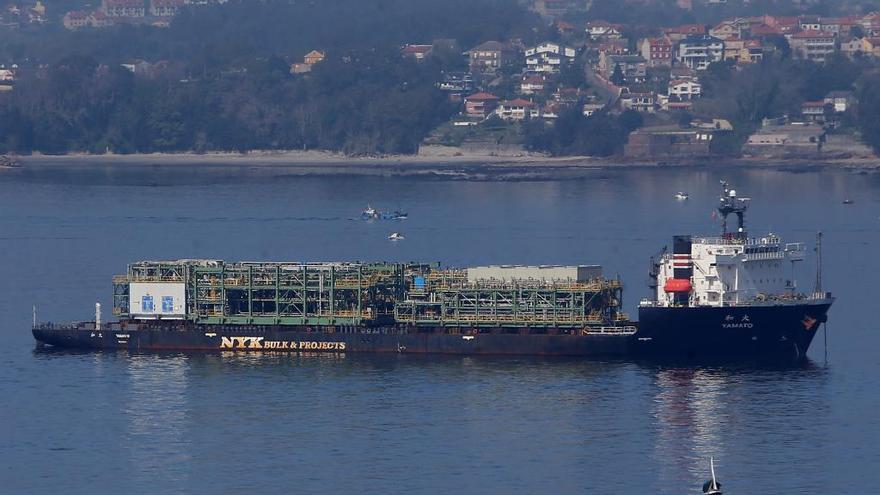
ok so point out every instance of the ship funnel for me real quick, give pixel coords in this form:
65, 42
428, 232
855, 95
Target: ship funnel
682, 270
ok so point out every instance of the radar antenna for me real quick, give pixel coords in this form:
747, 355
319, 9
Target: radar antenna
730, 203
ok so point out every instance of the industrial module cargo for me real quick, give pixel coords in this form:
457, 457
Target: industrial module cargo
739, 302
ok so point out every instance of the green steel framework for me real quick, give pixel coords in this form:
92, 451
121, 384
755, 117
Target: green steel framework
344, 294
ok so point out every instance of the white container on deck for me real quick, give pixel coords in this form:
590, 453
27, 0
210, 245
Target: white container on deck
544, 273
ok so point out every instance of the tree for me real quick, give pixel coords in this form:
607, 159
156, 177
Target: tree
685, 119
868, 113
573, 75
617, 77
600, 134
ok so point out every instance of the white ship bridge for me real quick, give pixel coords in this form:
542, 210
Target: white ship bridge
730, 270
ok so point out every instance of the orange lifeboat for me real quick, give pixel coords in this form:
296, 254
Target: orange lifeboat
677, 285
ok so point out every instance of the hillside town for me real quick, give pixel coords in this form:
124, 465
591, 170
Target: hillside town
660, 76
641, 90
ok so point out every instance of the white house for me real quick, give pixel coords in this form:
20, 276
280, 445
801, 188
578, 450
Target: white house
518, 109
640, 102
698, 51
550, 47
531, 85
604, 30
548, 57
684, 89
840, 101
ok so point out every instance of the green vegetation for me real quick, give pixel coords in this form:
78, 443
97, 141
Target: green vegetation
225, 84
600, 134
492, 131
868, 114
375, 103
773, 88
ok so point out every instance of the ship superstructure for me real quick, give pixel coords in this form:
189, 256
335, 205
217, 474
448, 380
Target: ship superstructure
731, 294
729, 270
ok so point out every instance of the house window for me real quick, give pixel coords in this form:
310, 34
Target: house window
167, 304
147, 304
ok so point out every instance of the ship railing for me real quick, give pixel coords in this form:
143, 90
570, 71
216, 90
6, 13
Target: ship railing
73, 325
346, 314
767, 240
499, 319
610, 330
269, 283
761, 299
529, 285
316, 314
137, 277
765, 256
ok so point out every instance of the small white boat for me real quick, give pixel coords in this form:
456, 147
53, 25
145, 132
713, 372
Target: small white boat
396, 236
681, 196
9, 161
713, 486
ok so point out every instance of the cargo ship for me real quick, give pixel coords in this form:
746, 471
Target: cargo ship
731, 295
713, 297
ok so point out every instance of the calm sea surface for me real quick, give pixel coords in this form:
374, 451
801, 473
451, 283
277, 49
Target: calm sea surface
87, 423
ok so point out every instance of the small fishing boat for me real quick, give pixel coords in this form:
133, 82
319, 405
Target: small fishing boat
369, 213
399, 215
393, 215
712, 486
7, 161
681, 196
396, 236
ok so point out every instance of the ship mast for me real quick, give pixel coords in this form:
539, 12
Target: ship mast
818, 288
730, 203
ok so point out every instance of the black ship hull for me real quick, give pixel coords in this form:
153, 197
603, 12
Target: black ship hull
135, 336
784, 330
745, 332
